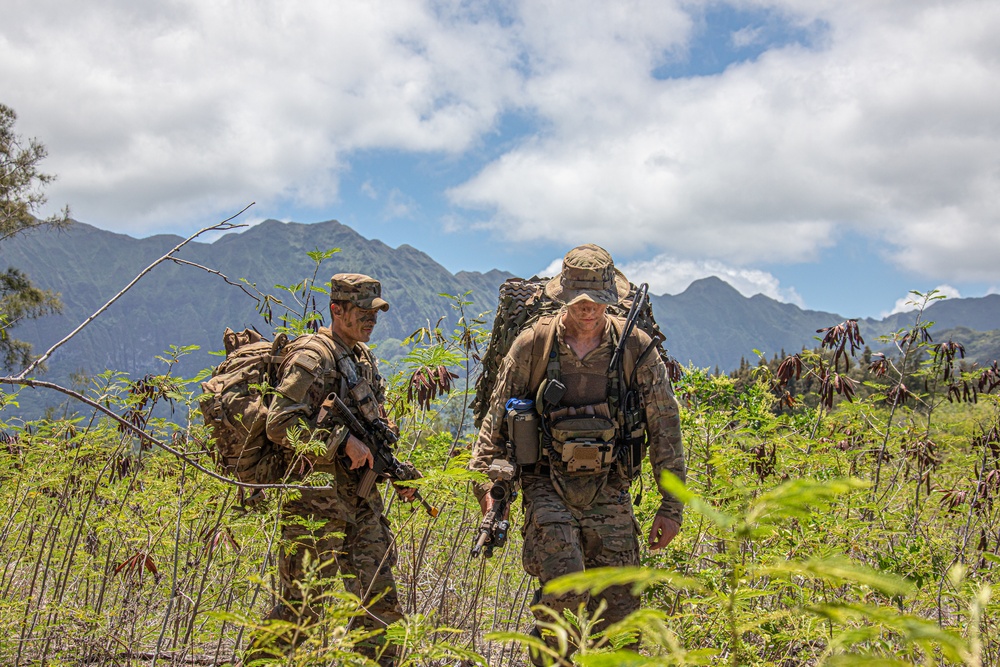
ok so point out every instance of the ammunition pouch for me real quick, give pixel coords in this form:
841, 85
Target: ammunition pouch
584, 443
364, 399
632, 453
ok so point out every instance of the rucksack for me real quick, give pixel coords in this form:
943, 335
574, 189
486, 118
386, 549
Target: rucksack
237, 401
521, 304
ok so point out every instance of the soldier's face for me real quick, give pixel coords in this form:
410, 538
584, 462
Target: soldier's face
354, 324
586, 317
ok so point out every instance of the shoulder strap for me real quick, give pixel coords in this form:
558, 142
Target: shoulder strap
542, 347
313, 343
632, 354
319, 344
366, 352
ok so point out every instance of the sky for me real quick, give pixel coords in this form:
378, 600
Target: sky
834, 154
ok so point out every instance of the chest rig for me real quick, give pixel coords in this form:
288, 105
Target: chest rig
355, 381
358, 382
604, 427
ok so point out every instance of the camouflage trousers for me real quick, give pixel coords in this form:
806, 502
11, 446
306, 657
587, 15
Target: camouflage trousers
560, 538
362, 547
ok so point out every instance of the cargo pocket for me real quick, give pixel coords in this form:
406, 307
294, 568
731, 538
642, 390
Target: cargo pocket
619, 550
551, 544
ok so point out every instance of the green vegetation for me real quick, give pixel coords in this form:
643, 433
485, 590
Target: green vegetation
833, 523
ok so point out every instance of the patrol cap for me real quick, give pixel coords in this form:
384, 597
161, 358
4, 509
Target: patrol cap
588, 273
361, 290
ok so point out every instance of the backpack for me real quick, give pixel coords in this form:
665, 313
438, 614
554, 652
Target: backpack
522, 303
237, 400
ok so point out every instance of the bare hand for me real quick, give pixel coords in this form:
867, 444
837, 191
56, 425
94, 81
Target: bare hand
664, 530
406, 493
486, 503
358, 453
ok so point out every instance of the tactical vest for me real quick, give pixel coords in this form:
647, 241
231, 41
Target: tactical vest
357, 384
588, 439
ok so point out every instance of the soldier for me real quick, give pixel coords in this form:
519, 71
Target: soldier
353, 537
577, 509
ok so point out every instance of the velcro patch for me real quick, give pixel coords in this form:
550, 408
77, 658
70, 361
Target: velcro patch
306, 362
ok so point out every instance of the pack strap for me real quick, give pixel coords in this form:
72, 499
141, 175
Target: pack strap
544, 353
630, 360
614, 392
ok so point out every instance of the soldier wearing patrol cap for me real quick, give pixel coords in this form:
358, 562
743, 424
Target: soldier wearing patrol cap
577, 508
342, 532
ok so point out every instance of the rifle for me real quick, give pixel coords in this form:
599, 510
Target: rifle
638, 303
630, 447
379, 438
493, 530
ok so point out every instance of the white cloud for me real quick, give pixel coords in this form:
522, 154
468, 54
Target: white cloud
554, 267
399, 205
890, 128
670, 275
887, 125
170, 110
746, 36
913, 301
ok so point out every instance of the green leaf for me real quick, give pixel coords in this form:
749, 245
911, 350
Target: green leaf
842, 570
993, 558
621, 659
598, 579
318, 255
866, 661
202, 375
912, 629
673, 485
800, 498
527, 641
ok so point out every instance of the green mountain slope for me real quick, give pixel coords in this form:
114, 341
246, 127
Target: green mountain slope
976, 313
183, 305
709, 324
712, 324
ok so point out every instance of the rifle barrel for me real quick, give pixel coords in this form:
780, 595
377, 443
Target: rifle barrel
481, 542
641, 296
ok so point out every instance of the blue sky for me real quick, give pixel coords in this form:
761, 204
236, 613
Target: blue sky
830, 153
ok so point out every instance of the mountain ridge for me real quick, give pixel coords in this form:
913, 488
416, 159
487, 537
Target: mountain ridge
709, 324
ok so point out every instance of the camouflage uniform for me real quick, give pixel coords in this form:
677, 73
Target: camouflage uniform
355, 538
573, 522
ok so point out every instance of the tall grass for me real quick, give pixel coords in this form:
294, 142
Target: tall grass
846, 528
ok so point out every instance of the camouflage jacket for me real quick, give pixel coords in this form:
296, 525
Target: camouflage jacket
306, 377
666, 450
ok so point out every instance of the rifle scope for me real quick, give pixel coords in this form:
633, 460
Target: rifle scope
498, 492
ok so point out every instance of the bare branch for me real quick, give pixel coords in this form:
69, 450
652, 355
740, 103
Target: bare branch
139, 433
256, 297
225, 225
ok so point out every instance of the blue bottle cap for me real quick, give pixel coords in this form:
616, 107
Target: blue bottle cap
520, 404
